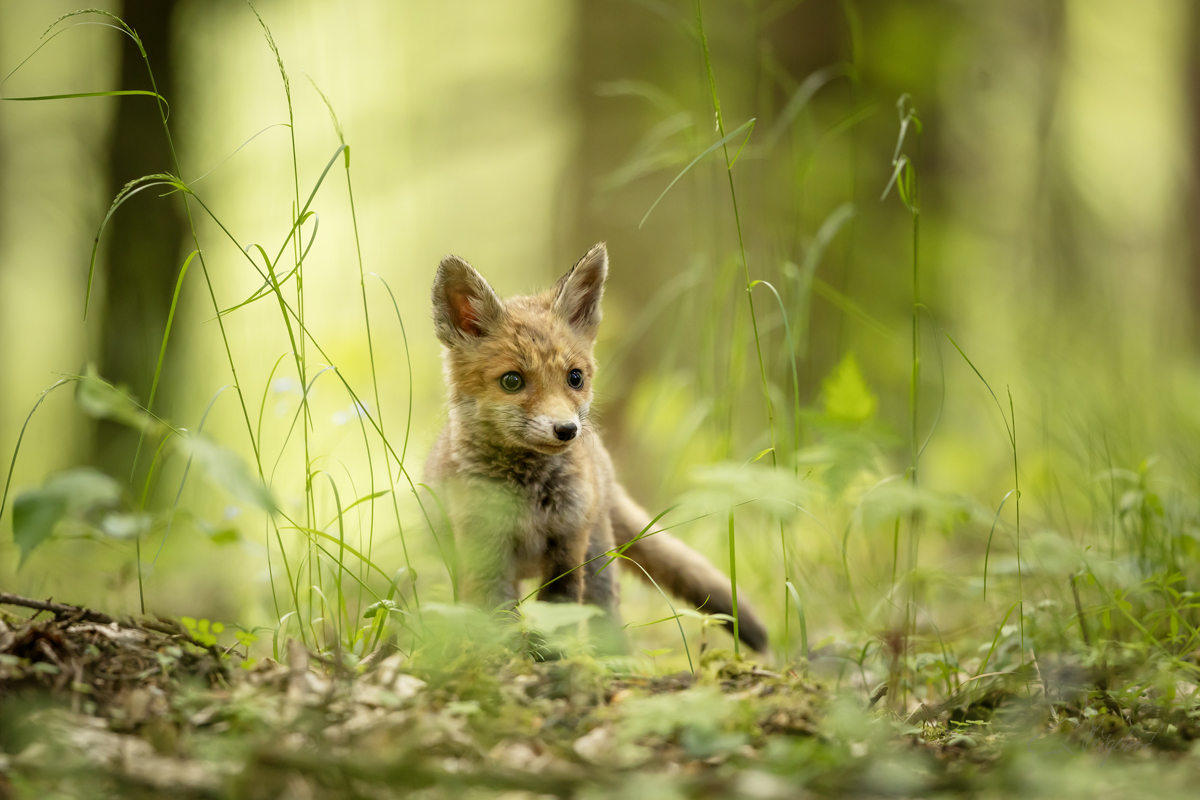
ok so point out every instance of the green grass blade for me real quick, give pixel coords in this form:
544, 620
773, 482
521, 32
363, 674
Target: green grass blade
988, 552
162, 352
995, 639
187, 469
719, 143
795, 595
12, 466
120, 93
135, 186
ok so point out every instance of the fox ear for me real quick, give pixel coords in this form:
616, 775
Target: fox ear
577, 294
464, 306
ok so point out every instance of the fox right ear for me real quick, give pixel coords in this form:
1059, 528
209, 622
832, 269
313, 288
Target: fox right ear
464, 306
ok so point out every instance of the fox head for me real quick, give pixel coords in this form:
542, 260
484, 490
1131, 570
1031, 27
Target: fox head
520, 371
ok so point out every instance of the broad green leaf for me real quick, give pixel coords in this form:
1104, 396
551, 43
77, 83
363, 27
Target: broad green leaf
720, 486
847, 397
549, 617
102, 400
224, 536
227, 470
83, 488
385, 605
35, 515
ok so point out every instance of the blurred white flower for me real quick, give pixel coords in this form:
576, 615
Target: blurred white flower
284, 385
355, 411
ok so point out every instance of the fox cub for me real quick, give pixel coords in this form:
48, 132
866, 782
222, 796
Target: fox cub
529, 487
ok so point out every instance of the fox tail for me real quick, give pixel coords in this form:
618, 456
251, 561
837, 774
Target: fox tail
682, 571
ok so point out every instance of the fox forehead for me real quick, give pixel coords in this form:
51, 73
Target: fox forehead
531, 339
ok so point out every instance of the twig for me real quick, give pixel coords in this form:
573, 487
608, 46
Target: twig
58, 609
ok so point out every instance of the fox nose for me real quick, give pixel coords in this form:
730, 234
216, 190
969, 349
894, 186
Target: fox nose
566, 432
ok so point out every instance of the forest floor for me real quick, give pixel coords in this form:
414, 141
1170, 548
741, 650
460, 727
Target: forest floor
92, 706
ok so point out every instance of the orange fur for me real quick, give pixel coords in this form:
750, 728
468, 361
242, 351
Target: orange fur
529, 487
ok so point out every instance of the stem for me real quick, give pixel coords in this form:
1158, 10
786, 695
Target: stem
914, 396
1017, 484
737, 641
162, 111
712, 83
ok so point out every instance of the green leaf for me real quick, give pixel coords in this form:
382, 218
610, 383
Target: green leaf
75, 491
84, 488
123, 93
760, 455
224, 536
374, 608
102, 400
719, 486
747, 124
662, 651
847, 397
35, 515
549, 617
227, 470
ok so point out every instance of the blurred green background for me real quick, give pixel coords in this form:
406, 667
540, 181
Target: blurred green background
1058, 173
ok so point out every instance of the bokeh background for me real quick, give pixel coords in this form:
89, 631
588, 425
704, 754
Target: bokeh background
1058, 182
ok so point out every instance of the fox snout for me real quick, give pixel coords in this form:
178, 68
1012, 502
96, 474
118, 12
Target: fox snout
557, 429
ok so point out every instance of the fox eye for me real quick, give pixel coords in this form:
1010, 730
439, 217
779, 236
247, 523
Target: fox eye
511, 382
575, 379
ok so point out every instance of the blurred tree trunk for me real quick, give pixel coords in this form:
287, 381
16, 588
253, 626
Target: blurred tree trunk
142, 243
1192, 212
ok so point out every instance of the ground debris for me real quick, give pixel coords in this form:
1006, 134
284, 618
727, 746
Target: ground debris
119, 708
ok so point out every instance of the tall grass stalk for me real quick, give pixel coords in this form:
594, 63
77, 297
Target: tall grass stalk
905, 179
762, 369
362, 282
186, 195
298, 255
737, 642
1010, 426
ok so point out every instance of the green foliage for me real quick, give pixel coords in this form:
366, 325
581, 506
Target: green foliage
102, 400
203, 631
705, 721
1083, 610
847, 397
227, 470
74, 494
549, 618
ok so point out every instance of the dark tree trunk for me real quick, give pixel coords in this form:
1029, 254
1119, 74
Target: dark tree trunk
1192, 211
142, 243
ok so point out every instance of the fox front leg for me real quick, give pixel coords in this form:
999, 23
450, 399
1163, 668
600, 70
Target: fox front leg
484, 526
602, 589
487, 574
562, 579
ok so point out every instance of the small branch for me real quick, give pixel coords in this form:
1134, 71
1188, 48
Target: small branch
58, 609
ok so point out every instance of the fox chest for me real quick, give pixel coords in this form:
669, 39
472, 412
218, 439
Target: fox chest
554, 515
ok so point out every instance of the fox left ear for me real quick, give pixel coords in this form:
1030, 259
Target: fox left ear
577, 294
